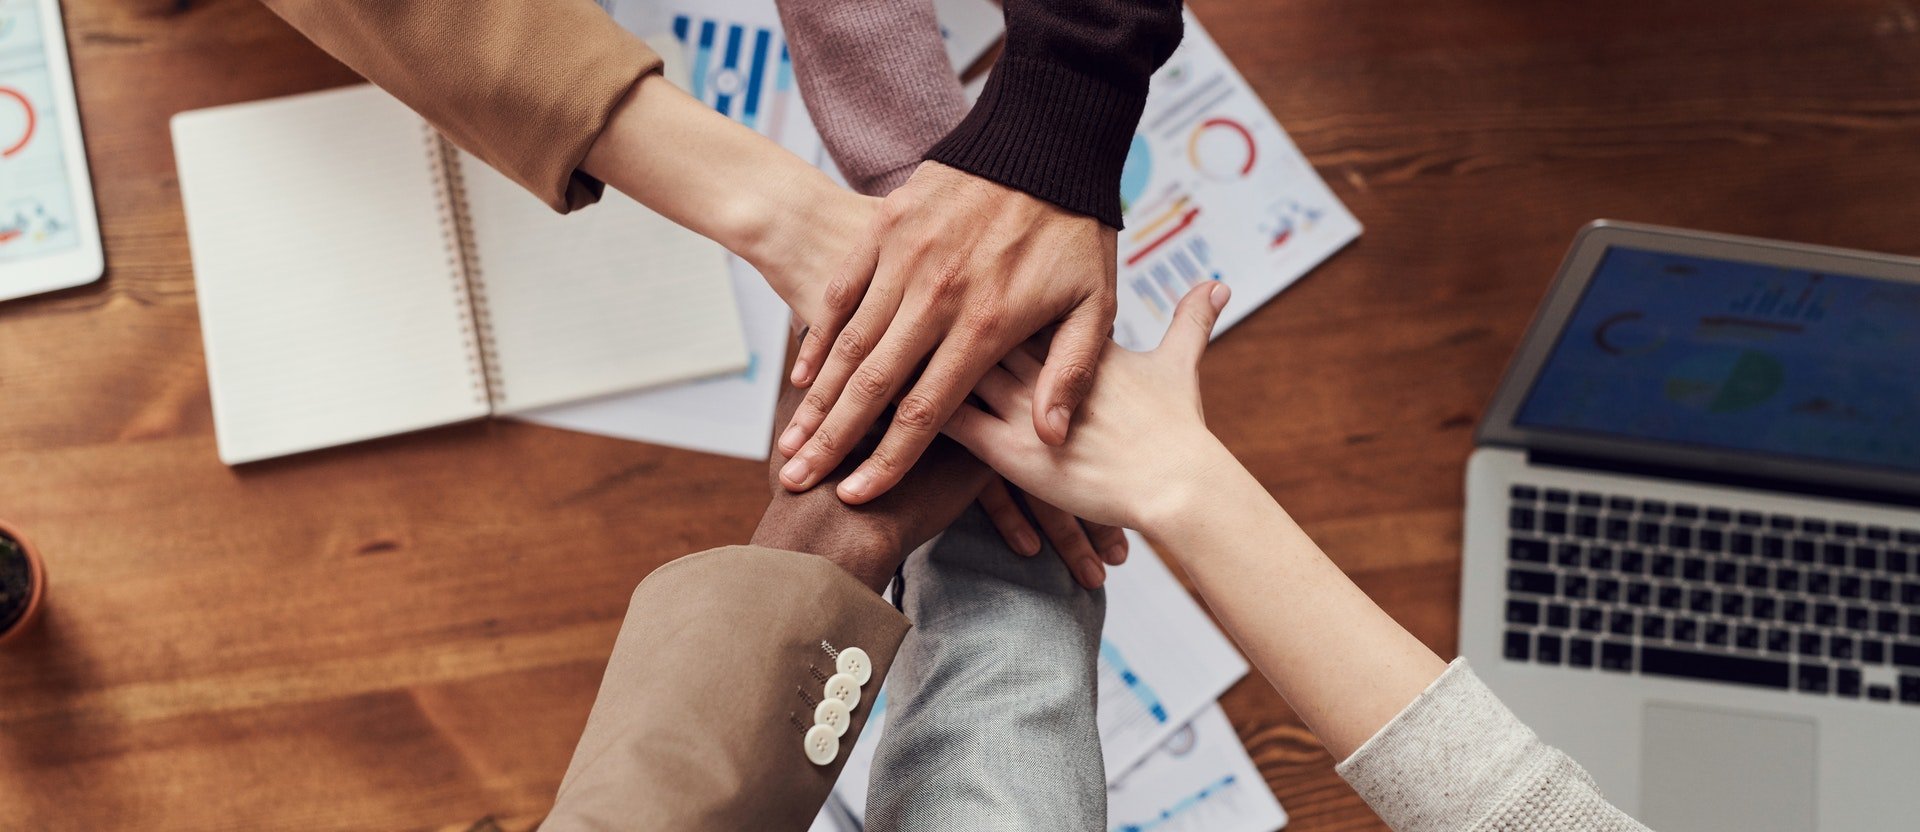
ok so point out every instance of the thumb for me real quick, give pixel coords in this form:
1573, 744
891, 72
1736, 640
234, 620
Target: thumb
1067, 376
1193, 322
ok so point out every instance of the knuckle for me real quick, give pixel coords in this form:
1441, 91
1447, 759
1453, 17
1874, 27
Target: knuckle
816, 402
871, 383
884, 462
1076, 379
917, 413
842, 293
826, 441
851, 344
949, 283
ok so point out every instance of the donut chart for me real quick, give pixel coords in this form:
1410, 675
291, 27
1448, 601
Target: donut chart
1222, 149
10, 147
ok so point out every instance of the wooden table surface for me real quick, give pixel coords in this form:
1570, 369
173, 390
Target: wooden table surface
407, 634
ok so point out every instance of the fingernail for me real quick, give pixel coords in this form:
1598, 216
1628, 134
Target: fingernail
795, 471
1218, 297
790, 442
857, 484
1117, 554
801, 372
1029, 545
1091, 573
1057, 419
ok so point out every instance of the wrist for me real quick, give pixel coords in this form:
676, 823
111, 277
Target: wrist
864, 553
1182, 498
798, 235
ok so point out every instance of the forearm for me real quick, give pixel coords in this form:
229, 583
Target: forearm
1343, 664
718, 178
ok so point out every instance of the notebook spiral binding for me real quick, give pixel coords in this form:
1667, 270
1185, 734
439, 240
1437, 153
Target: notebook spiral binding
463, 265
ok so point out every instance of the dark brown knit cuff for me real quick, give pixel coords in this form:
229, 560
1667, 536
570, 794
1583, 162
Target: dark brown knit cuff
1051, 132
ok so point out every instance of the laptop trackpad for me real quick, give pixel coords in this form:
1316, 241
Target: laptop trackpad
1708, 770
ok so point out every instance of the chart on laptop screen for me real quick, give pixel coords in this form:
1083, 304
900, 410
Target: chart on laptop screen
1705, 352
36, 203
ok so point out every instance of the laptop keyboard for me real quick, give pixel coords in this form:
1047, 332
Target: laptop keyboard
1628, 585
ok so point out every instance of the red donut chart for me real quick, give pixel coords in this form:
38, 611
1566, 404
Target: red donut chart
26, 106
1193, 143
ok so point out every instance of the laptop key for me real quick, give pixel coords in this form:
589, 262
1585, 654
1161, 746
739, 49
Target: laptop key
1620, 623
1733, 604
1880, 590
1680, 537
1910, 690
1887, 622
1530, 582
1848, 586
1653, 626
1773, 546
1726, 573
1606, 590
1616, 656
1826, 615
1575, 587
1579, 652
1558, 496
1849, 530
1600, 558
1586, 525
1779, 640
1763, 608
1685, 629
1694, 569
1741, 543
1803, 550
1786, 579
1664, 566
1670, 596
1526, 550
1719, 515
1700, 601
1819, 583
1524, 492
1756, 577
1910, 594
1834, 554
1906, 654
1811, 678
1873, 651
1523, 612
1519, 646
1559, 616
1714, 667
1553, 522
1547, 649
1859, 619
1591, 619
1712, 540
1633, 561
1568, 554
1587, 499
1618, 528
1746, 637
1686, 511
1840, 647
1793, 611
1867, 558
1715, 633
1880, 693
1621, 504
1639, 593
1809, 643
1846, 682
1647, 532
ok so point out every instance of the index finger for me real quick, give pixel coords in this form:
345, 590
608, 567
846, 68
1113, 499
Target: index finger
957, 365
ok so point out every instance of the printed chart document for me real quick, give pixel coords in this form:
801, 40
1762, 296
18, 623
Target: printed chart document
1162, 664
1213, 189
1199, 780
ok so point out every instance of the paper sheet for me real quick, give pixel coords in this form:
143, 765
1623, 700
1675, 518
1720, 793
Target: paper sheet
1214, 189
1162, 663
737, 63
1199, 780
969, 27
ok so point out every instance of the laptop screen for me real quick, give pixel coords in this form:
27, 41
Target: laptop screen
1738, 356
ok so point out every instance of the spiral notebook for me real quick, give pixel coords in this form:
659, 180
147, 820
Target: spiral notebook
358, 277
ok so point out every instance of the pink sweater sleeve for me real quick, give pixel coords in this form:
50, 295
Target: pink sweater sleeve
877, 82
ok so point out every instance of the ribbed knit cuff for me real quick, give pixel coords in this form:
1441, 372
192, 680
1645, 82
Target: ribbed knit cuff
1051, 132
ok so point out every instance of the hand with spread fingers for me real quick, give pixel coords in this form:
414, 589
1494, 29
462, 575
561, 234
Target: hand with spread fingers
959, 271
1101, 473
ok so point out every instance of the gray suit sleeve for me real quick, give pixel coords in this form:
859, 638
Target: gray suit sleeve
990, 715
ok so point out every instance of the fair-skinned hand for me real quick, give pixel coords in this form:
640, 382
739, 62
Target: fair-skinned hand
1141, 441
956, 272
870, 540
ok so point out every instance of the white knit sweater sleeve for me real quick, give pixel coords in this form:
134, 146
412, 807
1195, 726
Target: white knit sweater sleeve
1456, 760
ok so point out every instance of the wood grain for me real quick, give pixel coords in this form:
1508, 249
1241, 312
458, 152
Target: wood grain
407, 634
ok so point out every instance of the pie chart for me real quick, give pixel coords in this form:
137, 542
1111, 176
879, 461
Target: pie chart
1725, 380
17, 122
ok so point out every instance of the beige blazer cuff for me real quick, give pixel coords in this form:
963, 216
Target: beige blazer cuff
711, 688
525, 86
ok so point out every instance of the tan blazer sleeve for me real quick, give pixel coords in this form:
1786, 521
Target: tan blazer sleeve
526, 85
701, 713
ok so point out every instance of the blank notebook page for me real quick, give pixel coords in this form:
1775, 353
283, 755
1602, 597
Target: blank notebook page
607, 299
330, 307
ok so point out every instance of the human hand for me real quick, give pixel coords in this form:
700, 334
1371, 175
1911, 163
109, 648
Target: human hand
956, 272
870, 540
1086, 548
814, 241
1141, 442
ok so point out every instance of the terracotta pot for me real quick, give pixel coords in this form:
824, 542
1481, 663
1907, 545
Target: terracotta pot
36, 580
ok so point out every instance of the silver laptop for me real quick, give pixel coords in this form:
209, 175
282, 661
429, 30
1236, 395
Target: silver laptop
1692, 543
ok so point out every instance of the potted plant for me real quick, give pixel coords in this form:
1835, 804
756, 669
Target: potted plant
23, 583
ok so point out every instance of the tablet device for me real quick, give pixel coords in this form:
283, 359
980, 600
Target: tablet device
49, 234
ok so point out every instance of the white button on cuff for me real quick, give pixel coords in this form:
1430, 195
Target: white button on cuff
834, 714
853, 661
845, 689
822, 745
